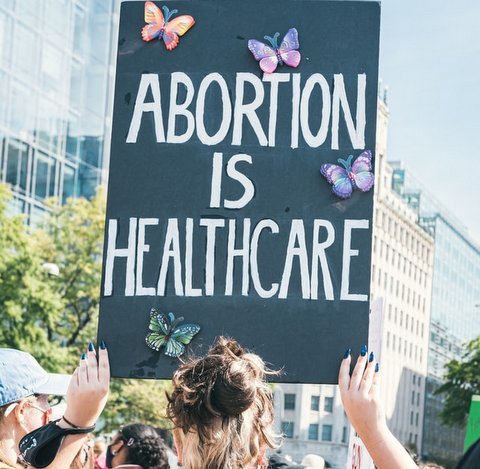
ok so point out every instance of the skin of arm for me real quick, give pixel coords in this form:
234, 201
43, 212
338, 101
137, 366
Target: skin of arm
86, 397
360, 397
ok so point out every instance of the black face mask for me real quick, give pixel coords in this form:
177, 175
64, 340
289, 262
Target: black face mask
109, 456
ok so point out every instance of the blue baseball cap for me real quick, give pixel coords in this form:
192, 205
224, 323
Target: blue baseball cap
22, 376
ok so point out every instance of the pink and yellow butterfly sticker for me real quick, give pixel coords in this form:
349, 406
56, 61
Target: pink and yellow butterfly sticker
162, 26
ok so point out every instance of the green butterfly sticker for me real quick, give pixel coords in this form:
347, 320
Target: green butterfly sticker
166, 332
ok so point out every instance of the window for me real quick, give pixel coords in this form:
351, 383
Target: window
413, 397
313, 431
328, 404
69, 186
326, 433
44, 174
315, 403
344, 434
287, 429
17, 165
289, 403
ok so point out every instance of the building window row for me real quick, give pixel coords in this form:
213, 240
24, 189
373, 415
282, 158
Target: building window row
415, 326
402, 346
315, 403
398, 232
401, 291
33, 173
415, 398
402, 263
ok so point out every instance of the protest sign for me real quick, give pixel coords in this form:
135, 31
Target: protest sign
473, 423
220, 205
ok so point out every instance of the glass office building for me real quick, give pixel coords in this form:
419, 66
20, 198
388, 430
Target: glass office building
55, 76
455, 316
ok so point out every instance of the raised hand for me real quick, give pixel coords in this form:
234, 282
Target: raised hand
360, 397
88, 390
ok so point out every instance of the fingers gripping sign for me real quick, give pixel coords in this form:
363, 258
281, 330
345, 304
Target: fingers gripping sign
362, 404
88, 390
358, 391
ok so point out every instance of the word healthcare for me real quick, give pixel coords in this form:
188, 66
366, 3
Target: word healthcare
332, 97
177, 254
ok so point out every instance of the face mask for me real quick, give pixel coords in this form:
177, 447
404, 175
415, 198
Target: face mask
109, 456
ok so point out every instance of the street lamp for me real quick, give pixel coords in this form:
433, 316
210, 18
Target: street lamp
51, 269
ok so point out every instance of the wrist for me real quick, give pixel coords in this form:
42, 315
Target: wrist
376, 436
75, 421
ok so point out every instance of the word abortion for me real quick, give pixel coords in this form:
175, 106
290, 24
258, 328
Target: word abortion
304, 97
181, 266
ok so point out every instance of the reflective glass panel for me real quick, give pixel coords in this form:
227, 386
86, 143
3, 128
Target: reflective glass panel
16, 154
69, 189
44, 171
24, 54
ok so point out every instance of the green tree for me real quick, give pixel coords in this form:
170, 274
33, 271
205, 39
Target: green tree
72, 239
55, 316
29, 304
462, 382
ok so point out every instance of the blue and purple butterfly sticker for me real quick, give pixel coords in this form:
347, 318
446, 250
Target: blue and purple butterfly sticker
269, 57
349, 176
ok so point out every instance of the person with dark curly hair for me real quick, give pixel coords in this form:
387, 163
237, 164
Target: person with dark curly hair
137, 446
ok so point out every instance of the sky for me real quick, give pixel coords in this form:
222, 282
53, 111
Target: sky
430, 60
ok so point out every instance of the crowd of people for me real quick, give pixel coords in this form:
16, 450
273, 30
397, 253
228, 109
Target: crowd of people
221, 409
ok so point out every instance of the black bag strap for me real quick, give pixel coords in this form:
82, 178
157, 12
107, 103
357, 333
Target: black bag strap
40, 447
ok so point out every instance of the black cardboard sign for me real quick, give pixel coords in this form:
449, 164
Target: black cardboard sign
217, 210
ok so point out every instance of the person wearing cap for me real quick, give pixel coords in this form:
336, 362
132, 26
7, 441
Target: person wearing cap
24, 408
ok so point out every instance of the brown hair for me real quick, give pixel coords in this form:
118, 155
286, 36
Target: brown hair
224, 408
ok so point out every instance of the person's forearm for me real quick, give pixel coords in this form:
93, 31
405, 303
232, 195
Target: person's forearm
387, 452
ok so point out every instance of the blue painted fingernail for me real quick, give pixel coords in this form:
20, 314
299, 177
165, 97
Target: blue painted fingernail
377, 367
103, 345
363, 350
91, 348
84, 355
347, 353
371, 357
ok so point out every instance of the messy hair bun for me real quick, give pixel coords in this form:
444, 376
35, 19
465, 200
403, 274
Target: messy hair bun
223, 399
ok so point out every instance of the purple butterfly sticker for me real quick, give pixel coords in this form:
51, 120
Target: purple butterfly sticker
271, 57
349, 176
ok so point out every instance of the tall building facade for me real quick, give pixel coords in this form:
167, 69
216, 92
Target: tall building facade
455, 294
55, 77
402, 266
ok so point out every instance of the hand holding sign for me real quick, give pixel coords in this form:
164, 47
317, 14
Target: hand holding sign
360, 397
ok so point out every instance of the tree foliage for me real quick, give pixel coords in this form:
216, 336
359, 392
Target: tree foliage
462, 382
54, 317
29, 304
